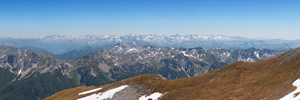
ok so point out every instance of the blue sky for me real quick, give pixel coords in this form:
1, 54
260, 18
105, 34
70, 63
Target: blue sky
248, 18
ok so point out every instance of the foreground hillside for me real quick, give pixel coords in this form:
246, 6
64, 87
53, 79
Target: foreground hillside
263, 80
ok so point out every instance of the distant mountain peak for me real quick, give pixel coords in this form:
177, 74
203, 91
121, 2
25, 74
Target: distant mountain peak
59, 44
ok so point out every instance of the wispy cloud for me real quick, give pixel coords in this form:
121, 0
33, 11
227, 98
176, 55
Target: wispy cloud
279, 32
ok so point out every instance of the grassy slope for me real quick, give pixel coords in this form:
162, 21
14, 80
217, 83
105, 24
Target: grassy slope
72, 94
34, 88
47, 84
242, 81
269, 79
5, 77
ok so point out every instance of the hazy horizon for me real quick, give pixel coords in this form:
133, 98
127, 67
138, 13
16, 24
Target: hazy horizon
274, 19
254, 38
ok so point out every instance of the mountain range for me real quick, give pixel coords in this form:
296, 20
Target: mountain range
58, 44
34, 75
271, 79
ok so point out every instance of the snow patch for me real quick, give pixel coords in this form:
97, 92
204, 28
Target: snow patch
20, 71
187, 55
90, 91
183, 52
291, 96
256, 54
185, 72
228, 54
129, 50
105, 95
246, 60
250, 60
153, 96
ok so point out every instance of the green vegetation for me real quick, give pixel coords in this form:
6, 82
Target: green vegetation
5, 77
35, 88
87, 79
77, 53
8, 49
